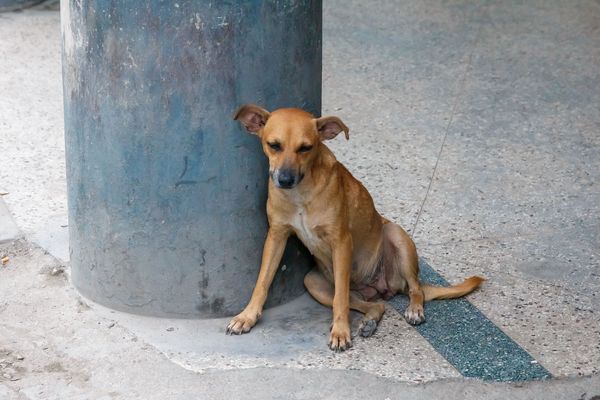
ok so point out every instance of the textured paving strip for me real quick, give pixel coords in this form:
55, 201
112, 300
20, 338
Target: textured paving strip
469, 340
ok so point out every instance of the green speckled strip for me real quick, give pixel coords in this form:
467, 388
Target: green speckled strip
469, 340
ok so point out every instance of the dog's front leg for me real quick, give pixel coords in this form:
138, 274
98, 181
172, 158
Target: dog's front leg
340, 339
272, 253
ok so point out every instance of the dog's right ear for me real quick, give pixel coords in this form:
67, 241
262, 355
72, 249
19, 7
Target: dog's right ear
329, 127
252, 117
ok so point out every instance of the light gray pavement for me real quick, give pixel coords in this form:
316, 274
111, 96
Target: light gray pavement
475, 125
8, 227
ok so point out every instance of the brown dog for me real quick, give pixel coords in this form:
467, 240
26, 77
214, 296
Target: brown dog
360, 255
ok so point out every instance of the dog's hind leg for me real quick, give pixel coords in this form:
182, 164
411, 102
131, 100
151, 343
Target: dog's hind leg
322, 290
400, 258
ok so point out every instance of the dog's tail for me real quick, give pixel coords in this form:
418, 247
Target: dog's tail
452, 292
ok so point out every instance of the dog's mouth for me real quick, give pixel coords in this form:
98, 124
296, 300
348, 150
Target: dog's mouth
285, 178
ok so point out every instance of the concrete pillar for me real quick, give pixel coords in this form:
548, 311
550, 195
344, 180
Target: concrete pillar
166, 192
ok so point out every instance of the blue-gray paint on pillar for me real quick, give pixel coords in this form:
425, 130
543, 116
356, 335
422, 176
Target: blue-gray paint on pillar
166, 192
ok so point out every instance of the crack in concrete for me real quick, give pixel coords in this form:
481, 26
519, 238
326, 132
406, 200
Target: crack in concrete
460, 94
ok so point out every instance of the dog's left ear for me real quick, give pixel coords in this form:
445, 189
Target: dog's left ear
252, 117
330, 127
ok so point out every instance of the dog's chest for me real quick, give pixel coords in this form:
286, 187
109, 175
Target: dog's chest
308, 232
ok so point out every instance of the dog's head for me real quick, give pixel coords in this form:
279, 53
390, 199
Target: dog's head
291, 139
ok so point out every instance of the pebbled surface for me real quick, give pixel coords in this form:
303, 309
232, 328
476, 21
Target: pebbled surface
469, 340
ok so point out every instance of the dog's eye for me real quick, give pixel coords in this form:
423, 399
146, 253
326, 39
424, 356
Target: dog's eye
305, 148
275, 146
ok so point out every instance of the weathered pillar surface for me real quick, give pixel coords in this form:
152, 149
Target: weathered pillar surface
166, 193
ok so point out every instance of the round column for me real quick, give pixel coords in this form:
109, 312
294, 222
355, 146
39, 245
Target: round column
166, 192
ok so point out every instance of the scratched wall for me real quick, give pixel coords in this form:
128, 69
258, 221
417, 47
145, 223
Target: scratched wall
166, 193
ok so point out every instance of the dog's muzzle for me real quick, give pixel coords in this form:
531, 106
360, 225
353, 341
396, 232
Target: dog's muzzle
286, 178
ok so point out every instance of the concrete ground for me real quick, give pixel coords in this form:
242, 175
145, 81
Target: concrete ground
475, 125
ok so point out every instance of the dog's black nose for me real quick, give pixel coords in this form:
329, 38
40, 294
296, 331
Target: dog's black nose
286, 179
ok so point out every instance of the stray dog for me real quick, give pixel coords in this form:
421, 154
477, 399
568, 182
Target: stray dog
360, 256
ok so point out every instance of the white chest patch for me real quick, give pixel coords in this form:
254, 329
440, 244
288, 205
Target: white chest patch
304, 231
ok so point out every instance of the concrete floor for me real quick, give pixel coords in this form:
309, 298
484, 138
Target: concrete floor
475, 125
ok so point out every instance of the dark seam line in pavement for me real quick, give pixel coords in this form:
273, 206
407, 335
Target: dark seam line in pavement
469, 340
452, 113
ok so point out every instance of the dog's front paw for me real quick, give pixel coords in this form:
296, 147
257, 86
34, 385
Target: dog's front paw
339, 338
414, 315
242, 323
